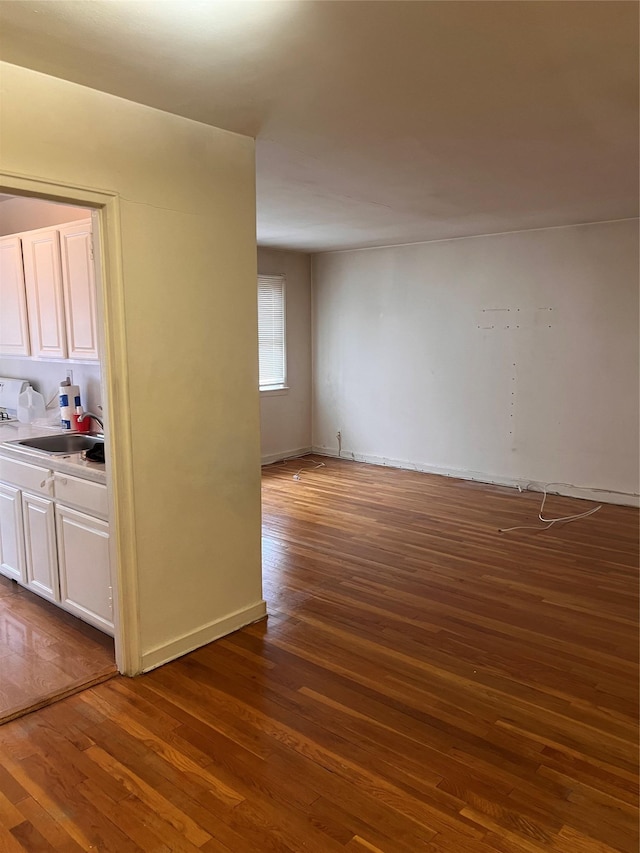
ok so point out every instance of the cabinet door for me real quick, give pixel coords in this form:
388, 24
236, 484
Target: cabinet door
40, 546
43, 279
14, 330
11, 534
85, 574
78, 282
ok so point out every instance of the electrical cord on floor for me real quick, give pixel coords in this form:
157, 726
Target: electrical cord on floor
312, 462
315, 465
549, 522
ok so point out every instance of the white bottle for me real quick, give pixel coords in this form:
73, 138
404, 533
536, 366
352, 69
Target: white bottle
69, 399
30, 406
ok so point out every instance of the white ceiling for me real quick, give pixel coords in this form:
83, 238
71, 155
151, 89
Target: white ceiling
377, 122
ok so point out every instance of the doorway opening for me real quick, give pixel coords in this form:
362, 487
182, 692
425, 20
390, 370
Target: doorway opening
57, 598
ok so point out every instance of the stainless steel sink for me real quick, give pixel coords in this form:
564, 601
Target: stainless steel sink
64, 444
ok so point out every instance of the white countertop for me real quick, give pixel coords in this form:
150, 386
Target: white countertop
72, 464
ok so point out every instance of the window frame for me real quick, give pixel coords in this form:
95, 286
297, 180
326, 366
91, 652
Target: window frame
275, 389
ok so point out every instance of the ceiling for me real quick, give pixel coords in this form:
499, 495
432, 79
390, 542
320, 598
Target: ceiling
377, 122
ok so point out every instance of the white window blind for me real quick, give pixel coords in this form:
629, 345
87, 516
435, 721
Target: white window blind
271, 331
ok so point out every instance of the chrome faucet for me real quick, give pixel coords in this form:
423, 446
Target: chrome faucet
91, 415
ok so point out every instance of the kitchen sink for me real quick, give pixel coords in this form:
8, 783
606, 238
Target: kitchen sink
64, 444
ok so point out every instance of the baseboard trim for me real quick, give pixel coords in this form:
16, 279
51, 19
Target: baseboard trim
201, 636
269, 458
590, 494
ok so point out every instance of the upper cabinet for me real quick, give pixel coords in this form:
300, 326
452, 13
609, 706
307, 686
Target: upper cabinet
51, 271
79, 287
43, 278
14, 331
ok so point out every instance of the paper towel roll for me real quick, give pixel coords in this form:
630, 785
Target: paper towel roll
69, 399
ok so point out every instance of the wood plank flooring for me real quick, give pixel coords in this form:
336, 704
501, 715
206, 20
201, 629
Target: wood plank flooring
45, 653
423, 683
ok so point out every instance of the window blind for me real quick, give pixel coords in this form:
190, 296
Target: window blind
271, 331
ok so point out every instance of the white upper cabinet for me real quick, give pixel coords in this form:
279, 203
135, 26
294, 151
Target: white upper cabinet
79, 287
14, 331
48, 293
43, 280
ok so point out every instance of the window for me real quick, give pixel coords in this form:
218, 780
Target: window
271, 332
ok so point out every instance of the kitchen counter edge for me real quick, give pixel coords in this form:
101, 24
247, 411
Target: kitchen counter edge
73, 464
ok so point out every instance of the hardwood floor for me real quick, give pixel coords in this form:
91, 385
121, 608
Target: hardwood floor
45, 653
423, 683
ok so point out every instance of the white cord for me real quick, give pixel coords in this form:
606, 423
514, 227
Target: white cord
55, 397
315, 465
313, 462
549, 522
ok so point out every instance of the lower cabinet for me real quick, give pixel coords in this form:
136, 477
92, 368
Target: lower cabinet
11, 534
52, 544
40, 546
83, 564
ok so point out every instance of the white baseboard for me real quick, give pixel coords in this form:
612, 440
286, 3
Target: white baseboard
591, 494
268, 458
201, 636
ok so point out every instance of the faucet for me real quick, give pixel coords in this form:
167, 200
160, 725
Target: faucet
91, 415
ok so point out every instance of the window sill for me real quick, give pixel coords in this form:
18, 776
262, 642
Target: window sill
274, 392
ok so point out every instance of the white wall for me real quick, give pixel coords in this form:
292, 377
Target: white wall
416, 366
45, 376
285, 416
25, 214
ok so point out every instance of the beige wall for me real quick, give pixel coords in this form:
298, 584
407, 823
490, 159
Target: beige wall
182, 261
285, 416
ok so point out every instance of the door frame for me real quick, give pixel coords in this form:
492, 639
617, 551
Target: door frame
106, 227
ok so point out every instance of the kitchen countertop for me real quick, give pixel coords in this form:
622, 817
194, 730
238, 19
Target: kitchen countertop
72, 464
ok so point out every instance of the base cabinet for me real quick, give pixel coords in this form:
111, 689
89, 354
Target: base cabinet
54, 539
83, 565
40, 546
12, 563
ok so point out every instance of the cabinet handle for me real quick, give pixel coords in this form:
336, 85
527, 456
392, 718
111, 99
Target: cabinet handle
45, 483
